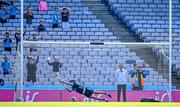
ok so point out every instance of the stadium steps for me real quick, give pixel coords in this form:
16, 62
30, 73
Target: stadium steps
111, 21
119, 28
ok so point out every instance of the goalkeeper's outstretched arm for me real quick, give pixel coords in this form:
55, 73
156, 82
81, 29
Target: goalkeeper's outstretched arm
64, 82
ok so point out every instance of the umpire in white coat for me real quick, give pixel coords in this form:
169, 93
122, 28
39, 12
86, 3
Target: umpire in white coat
121, 79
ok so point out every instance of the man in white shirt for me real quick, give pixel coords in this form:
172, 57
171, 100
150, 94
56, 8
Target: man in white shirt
121, 78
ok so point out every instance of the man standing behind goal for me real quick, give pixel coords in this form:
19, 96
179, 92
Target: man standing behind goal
121, 78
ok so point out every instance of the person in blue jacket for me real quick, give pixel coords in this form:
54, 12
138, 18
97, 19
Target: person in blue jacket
3, 18
18, 38
55, 17
11, 9
7, 42
6, 66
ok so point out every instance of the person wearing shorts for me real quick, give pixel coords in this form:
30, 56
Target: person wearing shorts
85, 91
31, 68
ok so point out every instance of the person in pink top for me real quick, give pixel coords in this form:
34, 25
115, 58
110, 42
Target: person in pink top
43, 6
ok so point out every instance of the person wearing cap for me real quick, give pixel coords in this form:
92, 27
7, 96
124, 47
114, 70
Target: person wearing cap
121, 79
138, 79
41, 26
31, 68
6, 66
56, 65
7, 42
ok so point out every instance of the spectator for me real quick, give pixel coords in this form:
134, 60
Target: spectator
29, 16
18, 38
138, 79
7, 42
3, 18
41, 26
145, 69
33, 46
6, 66
133, 69
121, 77
56, 65
12, 10
43, 6
31, 69
55, 18
1, 82
3, 3
65, 17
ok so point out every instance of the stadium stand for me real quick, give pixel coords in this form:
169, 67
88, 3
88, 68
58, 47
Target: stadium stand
97, 61
111, 21
84, 26
119, 27
91, 65
175, 31
148, 18
12, 26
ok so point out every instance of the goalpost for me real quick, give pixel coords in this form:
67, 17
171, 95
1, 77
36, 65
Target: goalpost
17, 73
55, 45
